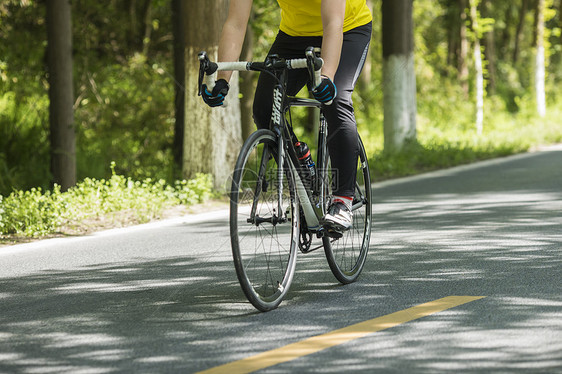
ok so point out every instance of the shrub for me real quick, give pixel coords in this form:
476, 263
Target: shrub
32, 213
37, 213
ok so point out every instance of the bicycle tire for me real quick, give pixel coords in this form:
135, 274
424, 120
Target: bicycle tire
264, 252
347, 255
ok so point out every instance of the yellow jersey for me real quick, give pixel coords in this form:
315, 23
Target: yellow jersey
303, 18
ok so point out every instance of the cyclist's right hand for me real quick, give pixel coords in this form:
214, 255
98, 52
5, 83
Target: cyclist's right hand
216, 96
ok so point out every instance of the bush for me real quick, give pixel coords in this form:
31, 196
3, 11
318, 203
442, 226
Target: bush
37, 213
195, 190
31, 213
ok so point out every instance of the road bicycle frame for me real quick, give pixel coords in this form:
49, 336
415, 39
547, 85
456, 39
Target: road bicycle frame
313, 211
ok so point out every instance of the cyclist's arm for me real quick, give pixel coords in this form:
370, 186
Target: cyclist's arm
333, 14
233, 32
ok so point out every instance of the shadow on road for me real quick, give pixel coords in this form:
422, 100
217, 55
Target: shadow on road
464, 234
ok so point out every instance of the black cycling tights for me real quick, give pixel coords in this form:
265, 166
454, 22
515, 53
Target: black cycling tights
342, 128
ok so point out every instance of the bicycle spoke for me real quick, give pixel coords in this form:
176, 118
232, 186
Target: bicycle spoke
346, 255
263, 242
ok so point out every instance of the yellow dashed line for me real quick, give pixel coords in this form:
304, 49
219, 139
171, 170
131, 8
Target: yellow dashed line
340, 336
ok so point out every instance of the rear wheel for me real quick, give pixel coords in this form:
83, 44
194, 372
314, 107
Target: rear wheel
346, 255
264, 238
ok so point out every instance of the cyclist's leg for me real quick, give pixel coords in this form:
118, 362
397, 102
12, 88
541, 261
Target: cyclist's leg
284, 46
342, 127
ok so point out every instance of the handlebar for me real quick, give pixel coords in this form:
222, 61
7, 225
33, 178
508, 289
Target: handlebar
312, 62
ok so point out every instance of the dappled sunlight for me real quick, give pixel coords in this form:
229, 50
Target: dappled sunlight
187, 311
498, 243
453, 340
99, 318
128, 286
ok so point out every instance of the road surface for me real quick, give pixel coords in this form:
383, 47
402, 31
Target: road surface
163, 297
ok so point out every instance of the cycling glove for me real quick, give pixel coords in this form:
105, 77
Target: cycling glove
216, 97
326, 91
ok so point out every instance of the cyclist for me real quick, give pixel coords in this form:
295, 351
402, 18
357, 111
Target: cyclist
342, 28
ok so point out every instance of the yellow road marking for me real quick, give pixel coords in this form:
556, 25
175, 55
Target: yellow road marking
337, 337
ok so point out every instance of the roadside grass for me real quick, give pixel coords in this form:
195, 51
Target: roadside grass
443, 145
117, 201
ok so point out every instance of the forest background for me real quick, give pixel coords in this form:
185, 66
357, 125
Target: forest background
124, 85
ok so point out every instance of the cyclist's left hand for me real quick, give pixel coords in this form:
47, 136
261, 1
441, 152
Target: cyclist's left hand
326, 91
217, 96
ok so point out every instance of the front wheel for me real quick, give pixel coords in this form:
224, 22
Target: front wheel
346, 255
264, 238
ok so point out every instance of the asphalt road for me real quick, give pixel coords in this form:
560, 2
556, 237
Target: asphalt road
163, 298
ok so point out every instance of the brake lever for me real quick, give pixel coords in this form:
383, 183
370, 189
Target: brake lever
314, 65
206, 67
203, 64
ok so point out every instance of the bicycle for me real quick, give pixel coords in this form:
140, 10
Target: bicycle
273, 210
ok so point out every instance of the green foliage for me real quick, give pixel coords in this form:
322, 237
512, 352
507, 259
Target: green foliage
126, 114
22, 51
24, 153
446, 135
37, 213
31, 213
195, 190
443, 144
123, 86
264, 23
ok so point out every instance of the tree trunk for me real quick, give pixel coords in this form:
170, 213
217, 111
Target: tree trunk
453, 36
463, 52
134, 31
179, 84
540, 60
147, 23
398, 74
212, 137
61, 94
519, 31
477, 67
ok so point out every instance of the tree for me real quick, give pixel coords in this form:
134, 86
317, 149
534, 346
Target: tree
540, 59
212, 136
490, 48
463, 52
61, 93
179, 81
398, 74
457, 40
474, 18
520, 29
